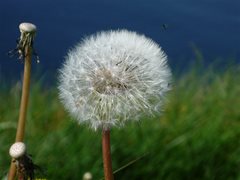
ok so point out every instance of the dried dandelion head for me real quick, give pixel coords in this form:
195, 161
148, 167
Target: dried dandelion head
112, 77
17, 150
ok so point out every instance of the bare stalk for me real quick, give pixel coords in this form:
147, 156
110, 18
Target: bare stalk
23, 107
24, 49
25, 96
106, 150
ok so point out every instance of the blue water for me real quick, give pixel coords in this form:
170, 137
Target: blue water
213, 26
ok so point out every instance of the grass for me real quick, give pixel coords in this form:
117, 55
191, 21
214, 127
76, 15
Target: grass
197, 136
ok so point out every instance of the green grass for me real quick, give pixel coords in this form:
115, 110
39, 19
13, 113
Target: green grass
196, 137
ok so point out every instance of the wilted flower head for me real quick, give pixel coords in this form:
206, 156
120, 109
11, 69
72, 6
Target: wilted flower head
112, 77
17, 150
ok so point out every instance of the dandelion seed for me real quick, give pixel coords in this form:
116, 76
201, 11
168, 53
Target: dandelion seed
113, 77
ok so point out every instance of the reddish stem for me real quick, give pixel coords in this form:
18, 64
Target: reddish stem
106, 150
20, 177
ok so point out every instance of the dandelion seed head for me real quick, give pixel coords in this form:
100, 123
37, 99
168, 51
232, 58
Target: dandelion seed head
87, 176
17, 150
27, 27
112, 77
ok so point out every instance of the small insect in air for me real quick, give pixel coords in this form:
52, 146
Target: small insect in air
164, 27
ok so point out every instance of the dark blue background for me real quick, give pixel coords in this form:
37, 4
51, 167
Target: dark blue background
213, 26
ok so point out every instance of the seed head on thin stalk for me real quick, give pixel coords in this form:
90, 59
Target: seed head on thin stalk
28, 32
24, 50
24, 164
112, 77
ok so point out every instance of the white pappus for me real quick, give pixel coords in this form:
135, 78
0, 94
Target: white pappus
112, 77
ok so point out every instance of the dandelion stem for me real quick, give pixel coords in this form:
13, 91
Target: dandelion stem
23, 106
107, 162
25, 96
